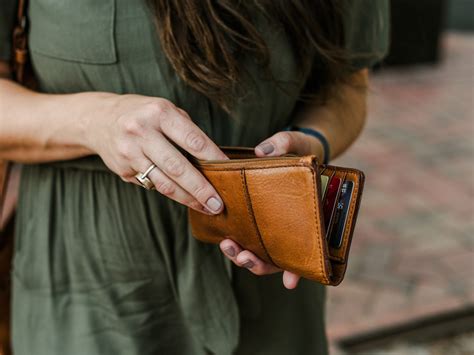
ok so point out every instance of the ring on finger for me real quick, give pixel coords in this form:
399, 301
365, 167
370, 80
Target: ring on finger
143, 178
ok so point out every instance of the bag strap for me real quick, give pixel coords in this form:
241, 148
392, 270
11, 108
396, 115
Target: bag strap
5, 169
20, 58
20, 43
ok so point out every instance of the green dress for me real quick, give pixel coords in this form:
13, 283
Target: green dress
105, 267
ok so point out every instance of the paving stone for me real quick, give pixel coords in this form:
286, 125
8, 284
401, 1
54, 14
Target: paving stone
413, 249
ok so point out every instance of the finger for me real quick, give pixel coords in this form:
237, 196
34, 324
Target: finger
179, 128
167, 187
171, 162
230, 249
285, 142
245, 258
257, 266
290, 280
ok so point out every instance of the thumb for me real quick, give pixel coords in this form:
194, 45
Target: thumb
282, 143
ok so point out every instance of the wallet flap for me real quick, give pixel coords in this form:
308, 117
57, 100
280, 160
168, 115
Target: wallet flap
271, 208
236, 220
287, 211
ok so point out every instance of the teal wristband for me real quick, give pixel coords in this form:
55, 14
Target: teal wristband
318, 135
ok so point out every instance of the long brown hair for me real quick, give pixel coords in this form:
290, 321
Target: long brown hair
205, 39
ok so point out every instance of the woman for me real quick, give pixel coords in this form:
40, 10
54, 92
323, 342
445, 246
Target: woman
103, 266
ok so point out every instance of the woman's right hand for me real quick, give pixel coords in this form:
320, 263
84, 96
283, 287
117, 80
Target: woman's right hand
132, 132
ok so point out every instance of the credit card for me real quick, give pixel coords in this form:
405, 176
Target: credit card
324, 185
330, 200
341, 213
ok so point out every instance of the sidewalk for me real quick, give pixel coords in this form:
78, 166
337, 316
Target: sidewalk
412, 252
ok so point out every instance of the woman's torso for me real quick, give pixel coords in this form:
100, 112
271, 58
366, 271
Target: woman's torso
108, 45
105, 265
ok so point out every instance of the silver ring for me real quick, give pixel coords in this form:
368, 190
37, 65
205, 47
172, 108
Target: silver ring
143, 179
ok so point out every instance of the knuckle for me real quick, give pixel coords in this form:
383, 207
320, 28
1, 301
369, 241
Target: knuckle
160, 107
165, 188
133, 127
195, 141
201, 192
125, 150
194, 205
285, 140
183, 113
174, 166
258, 271
125, 174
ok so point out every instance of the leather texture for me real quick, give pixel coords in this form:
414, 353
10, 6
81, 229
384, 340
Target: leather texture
273, 208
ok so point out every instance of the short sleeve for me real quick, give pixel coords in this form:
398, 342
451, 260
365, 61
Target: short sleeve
367, 29
7, 18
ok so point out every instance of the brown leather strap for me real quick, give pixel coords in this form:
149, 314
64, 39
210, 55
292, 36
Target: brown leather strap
20, 42
5, 168
8, 205
21, 10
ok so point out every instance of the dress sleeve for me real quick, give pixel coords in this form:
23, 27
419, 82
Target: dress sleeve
7, 18
366, 32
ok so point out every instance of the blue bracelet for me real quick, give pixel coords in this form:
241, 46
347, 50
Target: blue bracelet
316, 134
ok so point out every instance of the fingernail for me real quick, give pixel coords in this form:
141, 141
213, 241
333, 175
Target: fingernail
248, 264
214, 204
230, 251
266, 147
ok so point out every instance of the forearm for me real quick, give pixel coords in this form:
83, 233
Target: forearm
37, 127
342, 117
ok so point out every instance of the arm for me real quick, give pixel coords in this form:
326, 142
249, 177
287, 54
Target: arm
29, 141
341, 120
129, 132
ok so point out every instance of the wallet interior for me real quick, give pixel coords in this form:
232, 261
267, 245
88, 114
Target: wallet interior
341, 215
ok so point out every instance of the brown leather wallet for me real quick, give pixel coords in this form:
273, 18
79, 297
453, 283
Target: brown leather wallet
274, 208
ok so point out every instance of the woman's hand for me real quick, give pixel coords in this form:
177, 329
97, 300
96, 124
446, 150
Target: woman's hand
279, 144
132, 132
129, 132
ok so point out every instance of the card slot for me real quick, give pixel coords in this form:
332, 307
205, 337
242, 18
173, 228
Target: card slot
333, 172
340, 253
333, 218
342, 214
321, 174
341, 176
325, 172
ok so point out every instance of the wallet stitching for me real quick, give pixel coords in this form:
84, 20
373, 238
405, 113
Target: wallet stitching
317, 226
276, 166
252, 215
218, 168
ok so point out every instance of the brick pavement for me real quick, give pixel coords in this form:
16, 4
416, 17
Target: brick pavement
413, 249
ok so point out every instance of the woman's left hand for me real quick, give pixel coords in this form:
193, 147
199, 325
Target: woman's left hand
279, 144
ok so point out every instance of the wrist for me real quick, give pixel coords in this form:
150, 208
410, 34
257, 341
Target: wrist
89, 112
316, 147
318, 142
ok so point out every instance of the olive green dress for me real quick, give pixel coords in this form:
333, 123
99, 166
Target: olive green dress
105, 267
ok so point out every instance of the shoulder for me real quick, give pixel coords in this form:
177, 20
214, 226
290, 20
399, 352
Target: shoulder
367, 26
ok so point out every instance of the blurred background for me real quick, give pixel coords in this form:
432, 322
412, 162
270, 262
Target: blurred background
410, 285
